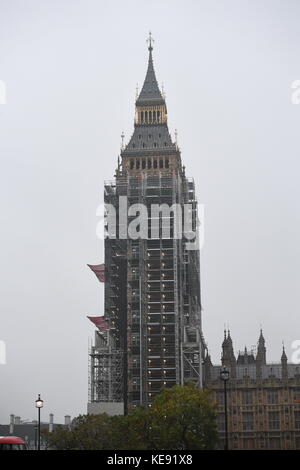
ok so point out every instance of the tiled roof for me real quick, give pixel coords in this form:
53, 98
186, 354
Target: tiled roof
150, 137
150, 92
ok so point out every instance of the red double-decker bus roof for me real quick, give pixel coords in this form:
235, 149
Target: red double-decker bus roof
11, 440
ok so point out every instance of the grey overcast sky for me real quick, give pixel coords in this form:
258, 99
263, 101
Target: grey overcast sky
71, 69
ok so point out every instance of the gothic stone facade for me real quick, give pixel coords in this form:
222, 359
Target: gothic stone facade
263, 399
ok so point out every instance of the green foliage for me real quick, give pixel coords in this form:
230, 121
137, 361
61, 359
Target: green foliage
180, 418
60, 439
183, 418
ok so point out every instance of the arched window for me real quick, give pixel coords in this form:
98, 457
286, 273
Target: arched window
161, 163
146, 116
155, 163
143, 164
137, 164
142, 116
158, 116
150, 116
131, 164
155, 144
144, 145
149, 163
167, 163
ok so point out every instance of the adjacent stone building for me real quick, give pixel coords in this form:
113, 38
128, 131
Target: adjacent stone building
263, 398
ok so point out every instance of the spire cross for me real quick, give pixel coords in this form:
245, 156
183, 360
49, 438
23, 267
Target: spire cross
150, 40
122, 137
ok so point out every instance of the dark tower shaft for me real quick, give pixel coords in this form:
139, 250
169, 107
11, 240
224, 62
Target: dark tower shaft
152, 293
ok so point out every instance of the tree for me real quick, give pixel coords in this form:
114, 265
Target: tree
60, 439
183, 417
91, 432
130, 432
180, 418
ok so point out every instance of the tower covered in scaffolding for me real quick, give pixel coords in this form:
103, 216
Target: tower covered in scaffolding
152, 337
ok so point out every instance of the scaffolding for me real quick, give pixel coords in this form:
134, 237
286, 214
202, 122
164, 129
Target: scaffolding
106, 370
152, 301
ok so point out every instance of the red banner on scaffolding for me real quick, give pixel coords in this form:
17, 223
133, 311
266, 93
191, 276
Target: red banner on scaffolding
99, 322
98, 270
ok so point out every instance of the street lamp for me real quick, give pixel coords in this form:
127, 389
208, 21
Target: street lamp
39, 404
224, 374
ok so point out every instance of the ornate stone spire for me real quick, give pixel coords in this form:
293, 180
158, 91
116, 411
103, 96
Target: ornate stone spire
207, 367
261, 339
261, 355
261, 349
283, 355
150, 93
284, 364
228, 357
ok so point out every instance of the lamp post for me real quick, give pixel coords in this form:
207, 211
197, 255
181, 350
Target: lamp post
224, 374
39, 404
35, 435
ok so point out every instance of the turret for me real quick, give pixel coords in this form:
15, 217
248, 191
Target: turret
261, 355
207, 367
228, 357
284, 365
261, 349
